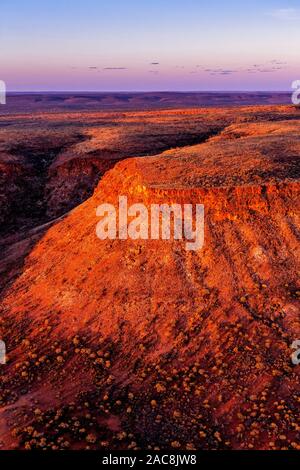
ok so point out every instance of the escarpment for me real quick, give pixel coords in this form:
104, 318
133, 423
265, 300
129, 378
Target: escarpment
126, 344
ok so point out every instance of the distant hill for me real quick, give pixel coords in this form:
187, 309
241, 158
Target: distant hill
28, 102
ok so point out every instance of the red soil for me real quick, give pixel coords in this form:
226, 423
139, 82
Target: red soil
142, 344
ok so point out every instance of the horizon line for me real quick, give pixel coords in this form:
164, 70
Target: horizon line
146, 91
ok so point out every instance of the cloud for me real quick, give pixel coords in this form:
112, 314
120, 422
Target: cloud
115, 68
265, 70
268, 67
154, 63
93, 68
278, 62
287, 14
220, 71
273, 65
226, 72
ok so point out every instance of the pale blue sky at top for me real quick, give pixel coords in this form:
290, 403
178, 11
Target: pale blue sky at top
149, 45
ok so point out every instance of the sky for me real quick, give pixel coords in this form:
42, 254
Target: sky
149, 45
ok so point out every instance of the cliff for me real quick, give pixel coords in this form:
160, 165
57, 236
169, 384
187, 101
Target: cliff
142, 344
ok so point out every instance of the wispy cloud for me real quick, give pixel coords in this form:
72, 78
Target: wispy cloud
115, 68
271, 66
287, 14
220, 71
278, 62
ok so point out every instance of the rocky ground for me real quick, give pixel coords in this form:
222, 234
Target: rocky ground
142, 344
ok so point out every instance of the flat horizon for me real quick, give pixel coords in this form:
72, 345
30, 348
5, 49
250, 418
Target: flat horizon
146, 91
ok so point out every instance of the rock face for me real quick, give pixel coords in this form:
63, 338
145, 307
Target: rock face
142, 344
51, 163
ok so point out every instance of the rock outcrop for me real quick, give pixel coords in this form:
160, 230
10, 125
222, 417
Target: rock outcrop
126, 344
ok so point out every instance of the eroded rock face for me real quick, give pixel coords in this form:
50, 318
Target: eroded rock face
25, 158
50, 163
126, 344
